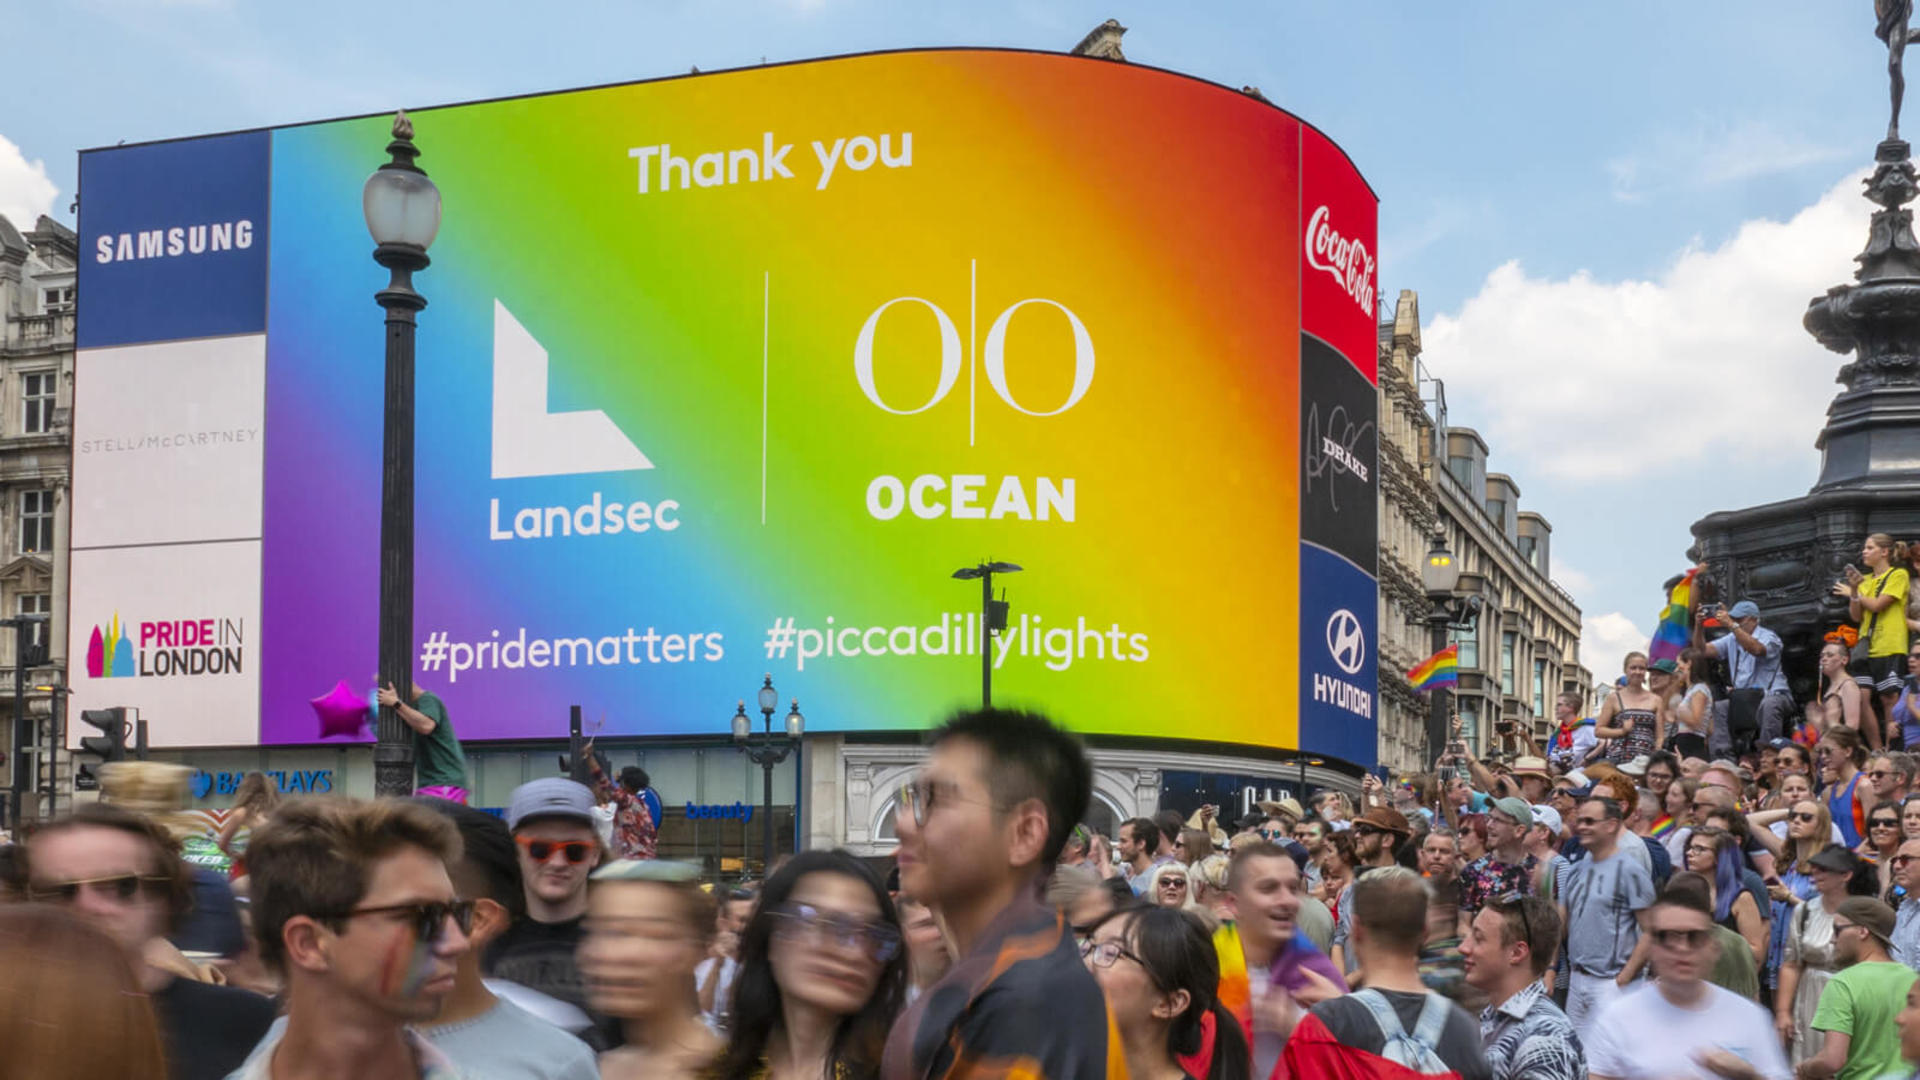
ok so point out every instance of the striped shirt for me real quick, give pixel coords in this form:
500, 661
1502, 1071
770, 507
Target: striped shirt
1527, 1037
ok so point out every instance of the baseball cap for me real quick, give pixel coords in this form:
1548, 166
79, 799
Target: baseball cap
1865, 911
1516, 809
1665, 666
1745, 609
1549, 817
1835, 859
550, 796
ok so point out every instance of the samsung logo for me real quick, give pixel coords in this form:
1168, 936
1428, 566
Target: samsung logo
179, 240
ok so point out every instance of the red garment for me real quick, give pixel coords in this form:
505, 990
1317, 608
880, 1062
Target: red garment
1314, 1054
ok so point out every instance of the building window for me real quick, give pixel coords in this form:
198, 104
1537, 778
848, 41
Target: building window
1529, 550
1468, 711
1509, 645
1539, 688
1497, 510
1469, 642
60, 299
37, 604
36, 522
1462, 469
36, 402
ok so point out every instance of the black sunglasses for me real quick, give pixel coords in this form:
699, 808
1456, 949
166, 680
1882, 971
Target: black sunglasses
429, 918
1689, 939
1512, 902
1802, 815
122, 887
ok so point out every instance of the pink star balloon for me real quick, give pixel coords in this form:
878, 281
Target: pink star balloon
341, 711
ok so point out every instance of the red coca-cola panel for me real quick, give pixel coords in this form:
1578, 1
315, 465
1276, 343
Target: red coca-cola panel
1339, 253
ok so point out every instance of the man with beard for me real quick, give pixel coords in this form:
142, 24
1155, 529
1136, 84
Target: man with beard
1376, 835
1506, 867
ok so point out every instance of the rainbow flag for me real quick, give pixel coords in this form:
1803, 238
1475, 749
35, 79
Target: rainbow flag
1440, 669
1662, 825
1674, 632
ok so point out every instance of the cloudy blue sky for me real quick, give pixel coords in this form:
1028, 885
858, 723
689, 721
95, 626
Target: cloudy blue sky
1613, 213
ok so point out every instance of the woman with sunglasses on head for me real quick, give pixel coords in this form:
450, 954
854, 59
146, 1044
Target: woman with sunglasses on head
1810, 959
1161, 975
822, 975
1877, 603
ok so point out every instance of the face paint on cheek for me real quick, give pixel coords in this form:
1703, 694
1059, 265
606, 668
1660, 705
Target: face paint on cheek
405, 967
419, 966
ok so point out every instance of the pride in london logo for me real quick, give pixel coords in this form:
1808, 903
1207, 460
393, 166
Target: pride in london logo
110, 653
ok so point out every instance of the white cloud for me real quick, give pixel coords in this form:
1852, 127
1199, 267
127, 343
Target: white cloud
1706, 362
1708, 156
1571, 578
1605, 640
25, 190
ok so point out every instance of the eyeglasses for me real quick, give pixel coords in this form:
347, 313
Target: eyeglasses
576, 851
1884, 823
1802, 815
1102, 954
1273, 834
1364, 829
1901, 860
1839, 926
123, 887
1173, 883
1696, 849
804, 922
920, 796
1879, 774
1681, 939
429, 919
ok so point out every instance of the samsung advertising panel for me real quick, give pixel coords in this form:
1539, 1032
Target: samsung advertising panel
727, 374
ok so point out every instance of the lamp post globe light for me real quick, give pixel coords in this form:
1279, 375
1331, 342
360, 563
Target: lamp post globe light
768, 751
402, 208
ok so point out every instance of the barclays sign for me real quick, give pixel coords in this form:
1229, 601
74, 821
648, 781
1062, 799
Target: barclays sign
289, 781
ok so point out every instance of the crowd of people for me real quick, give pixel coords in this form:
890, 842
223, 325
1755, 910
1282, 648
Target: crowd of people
1699, 880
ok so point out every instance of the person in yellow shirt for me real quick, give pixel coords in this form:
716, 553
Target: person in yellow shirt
1877, 602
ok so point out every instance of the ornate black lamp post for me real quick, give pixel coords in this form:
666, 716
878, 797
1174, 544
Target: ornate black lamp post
402, 207
768, 751
1450, 608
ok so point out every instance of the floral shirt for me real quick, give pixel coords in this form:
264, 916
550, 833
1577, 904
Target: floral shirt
1485, 879
634, 835
1527, 1037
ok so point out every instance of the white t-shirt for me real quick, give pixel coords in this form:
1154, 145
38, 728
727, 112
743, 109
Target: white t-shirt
1643, 1036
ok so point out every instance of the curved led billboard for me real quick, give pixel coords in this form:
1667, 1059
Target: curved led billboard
728, 374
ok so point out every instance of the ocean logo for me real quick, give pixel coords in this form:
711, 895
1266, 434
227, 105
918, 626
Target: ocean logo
530, 441
109, 652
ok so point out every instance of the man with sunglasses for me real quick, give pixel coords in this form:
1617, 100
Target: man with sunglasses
558, 842
1858, 1007
1604, 904
1906, 926
1376, 835
1679, 1024
1892, 777
980, 828
480, 1031
1508, 950
353, 906
120, 872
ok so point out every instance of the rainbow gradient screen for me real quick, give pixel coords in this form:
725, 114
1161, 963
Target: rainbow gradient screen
728, 374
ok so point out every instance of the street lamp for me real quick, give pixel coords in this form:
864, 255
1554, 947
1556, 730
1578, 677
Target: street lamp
993, 618
1453, 604
767, 752
402, 208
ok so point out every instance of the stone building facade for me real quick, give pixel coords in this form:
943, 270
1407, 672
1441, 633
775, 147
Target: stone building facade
37, 302
1524, 648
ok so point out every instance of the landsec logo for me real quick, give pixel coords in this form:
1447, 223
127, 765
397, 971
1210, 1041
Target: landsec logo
530, 441
166, 648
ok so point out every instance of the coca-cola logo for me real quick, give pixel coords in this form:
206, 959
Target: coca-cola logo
1346, 258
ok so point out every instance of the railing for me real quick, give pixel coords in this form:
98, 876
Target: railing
51, 328
1498, 530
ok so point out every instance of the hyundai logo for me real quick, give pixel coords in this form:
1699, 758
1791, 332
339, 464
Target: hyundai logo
1345, 641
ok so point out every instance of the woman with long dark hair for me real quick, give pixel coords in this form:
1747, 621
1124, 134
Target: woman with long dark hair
1161, 974
822, 975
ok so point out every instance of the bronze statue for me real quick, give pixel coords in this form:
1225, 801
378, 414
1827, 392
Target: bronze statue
1892, 29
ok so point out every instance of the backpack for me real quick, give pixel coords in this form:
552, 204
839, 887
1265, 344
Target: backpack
1417, 1051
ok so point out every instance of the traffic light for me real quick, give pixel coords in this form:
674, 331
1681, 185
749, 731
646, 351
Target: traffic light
111, 743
